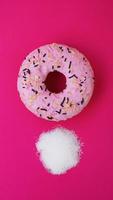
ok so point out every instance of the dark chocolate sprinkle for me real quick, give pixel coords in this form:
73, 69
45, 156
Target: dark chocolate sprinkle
43, 61
50, 93
78, 104
82, 101
33, 56
52, 67
38, 50
36, 65
67, 99
81, 91
63, 102
58, 66
44, 55
70, 64
80, 84
26, 70
73, 76
23, 87
65, 59
84, 59
71, 104
35, 91
49, 117
62, 56
43, 109
33, 62
41, 87
64, 113
38, 108
45, 97
40, 115
48, 104
68, 50
69, 71
59, 111
29, 60
24, 77
61, 48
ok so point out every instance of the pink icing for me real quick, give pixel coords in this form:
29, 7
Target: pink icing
79, 79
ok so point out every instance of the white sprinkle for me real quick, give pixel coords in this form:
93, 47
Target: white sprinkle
59, 150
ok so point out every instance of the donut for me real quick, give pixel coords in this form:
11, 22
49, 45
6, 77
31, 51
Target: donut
62, 59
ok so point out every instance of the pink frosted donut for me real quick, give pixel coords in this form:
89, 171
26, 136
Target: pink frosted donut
33, 74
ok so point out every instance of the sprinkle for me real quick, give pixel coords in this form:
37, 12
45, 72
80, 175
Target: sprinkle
23, 87
48, 104
40, 115
84, 59
58, 66
33, 56
70, 64
44, 55
43, 61
35, 91
52, 67
49, 117
69, 71
78, 104
81, 91
62, 56
64, 113
50, 93
43, 109
29, 60
26, 70
80, 84
68, 50
38, 108
59, 111
61, 48
41, 87
33, 62
65, 59
82, 101
73, 76
45, 97
67, 99
63, 102
38, 50
36, 65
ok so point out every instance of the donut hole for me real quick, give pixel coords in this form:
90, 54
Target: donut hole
55, 82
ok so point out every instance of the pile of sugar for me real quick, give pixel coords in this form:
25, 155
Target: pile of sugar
59, 150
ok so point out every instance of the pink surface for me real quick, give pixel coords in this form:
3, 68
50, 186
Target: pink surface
84, 24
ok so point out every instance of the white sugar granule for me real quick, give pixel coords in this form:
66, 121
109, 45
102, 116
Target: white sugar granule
59, 150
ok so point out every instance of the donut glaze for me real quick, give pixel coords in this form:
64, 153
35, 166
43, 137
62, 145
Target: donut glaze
79, 82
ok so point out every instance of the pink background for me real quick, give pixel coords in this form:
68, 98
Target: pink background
25, 25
